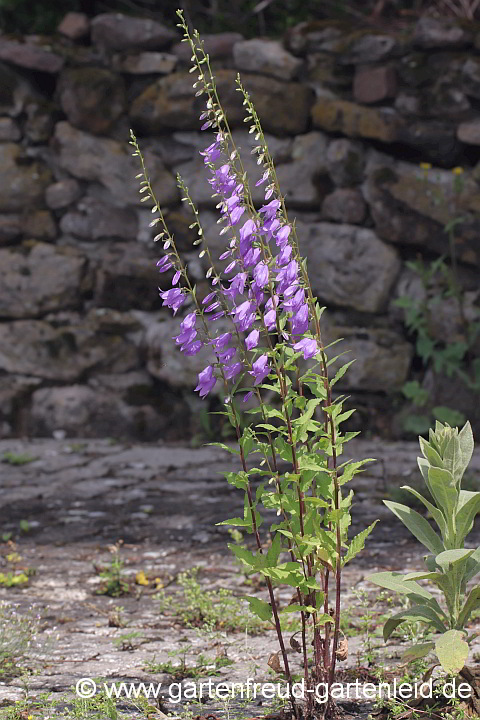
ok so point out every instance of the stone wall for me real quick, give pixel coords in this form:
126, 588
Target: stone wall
85, 348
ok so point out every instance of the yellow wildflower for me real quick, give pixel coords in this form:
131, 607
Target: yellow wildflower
425, 166
457, 170
141, 579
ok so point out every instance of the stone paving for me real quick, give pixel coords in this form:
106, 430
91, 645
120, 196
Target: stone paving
66, 507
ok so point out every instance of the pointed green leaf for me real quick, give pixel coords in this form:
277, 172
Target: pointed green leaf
417, 612
472, 603
417, 651
260, 608
417, 525
395, 581
467, 508
452, 557
357, 543
452, 651
434, 512
442, 486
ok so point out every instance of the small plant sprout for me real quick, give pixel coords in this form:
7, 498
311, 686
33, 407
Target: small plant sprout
449, 564
270, 344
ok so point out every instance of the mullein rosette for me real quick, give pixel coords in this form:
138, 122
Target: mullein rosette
270, 321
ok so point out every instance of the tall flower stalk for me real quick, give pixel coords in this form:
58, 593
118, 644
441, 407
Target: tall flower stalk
273, 342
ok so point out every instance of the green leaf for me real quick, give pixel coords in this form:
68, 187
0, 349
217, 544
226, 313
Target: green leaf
357, 543
417, 525
441, 484
434, 512
236, 522
452, 557
417, 651
294, 607
247, 557
417, 612
323, 619
260, 608
465, 437
341, 372
472, 603
473, 565
467, 508
452, 651
274, 550
395, 581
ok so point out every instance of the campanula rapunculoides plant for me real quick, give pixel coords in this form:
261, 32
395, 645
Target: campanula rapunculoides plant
265, 296
450, 566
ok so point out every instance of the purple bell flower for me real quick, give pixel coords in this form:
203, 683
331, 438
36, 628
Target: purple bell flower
251, 341
308, 346
260, 369
173, 299
206, 381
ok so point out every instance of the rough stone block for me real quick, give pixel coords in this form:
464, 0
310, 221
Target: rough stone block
371, 85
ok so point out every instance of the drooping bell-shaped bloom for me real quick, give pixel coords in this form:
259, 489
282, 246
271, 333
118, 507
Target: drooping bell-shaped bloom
281, 238
260, 369
270, 209
173, 299
221, 342
300, 320
192, 348
251, 341
232, 370
206, 381
308, 346
260, 274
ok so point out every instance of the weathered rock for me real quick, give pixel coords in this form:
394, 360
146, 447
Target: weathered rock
22, 181
107, 162
63, 193
218, 46
11, 227
404, 208
382, 358
367, 48
303, 179
442, 33
40, 279
40, 120
195, 172
435, 140
470, 79
314, 36
469, 132
29, 55
345, 161
371, 85
355, 120
145, 63
74, 25
323, 71
122, 32
407, 103
75, 346
268, 57
15, 91
126, 277
40, 224
9, 130
344, 205
78, 410
415, 69
14, 393
92, 220
444, 100
91, 98
349, 266
170, 103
